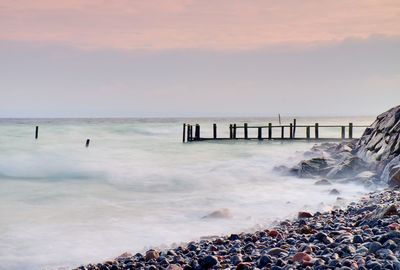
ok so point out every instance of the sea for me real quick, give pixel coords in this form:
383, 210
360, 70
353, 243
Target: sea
137, 186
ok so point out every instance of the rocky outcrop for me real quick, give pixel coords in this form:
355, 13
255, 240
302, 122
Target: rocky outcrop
373, 158
380, 146
380, 142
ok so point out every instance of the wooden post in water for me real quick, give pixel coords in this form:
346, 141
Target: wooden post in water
184, 132
269, 131
234, 131
350, 130
294, 128
230, 132
308, 132
87, 143
259, 133
37, 132
316, 131
189, 133
246, 132
197, 132
291, 131
282, 132
343, 132
215, 131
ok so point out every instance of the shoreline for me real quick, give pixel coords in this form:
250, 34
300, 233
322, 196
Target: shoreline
363, 235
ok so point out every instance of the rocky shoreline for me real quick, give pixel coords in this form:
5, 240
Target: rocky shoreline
365, 235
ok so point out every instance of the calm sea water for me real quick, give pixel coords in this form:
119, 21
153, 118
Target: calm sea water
137, 186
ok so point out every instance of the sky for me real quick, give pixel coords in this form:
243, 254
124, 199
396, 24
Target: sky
130, 58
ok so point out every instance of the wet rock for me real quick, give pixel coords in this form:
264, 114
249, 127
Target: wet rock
394, 176
223, 213
174, 267
383, 211
276, 251
334, 192
301, 257
347, 168
208, 262
304, 215
323, 182
313, 167
152, 255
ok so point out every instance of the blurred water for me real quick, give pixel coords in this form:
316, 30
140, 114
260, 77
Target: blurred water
138, 186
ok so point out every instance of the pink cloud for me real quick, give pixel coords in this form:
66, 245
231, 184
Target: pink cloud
207, 24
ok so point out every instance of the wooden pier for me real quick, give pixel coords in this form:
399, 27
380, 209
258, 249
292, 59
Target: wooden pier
191, 133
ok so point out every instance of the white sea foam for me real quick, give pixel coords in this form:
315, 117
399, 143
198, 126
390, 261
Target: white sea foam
137, 186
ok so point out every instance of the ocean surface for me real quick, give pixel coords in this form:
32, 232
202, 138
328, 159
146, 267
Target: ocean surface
137, 186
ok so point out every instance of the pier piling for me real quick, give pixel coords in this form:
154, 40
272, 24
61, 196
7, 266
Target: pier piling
37, 132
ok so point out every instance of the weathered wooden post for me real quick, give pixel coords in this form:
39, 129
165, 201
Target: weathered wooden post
215, 131
350, 130
259, 133
246, 132
343, 132
230, 132
37, 132
282, 132
291, 131
197, 132
234, 131
87, 143
189, 133
269, 131
294, 128
184, 132
316, 131
308, 132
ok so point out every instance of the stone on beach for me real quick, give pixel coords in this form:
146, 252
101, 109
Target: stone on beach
302, 257
152, 254
221, 213
304, 215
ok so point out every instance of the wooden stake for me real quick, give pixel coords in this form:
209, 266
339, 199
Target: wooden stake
259, 133
246, 134
184, 132
282, 132
269, 131
350, 130
343, 132
308, 132
37, 132
316, 131
291, 131
234, 131
294, 128
87, 143
214, 131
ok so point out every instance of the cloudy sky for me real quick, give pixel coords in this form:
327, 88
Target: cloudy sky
80, 58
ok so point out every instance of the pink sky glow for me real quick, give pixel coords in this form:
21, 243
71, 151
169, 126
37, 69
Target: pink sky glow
190, 24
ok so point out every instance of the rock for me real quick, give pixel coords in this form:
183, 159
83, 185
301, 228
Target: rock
221, 213
236, 259
357, 239
174, 267
273, 233
382, 212
374, 247
263, 261
208, 261
304, 215
347, 168
276, 251
394, 176
301, 257
312, 167
323, 182
152, 254
334, 192
244, 266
